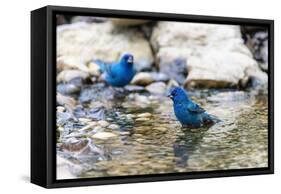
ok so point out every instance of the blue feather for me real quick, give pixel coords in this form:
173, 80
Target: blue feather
118, 74
188, 112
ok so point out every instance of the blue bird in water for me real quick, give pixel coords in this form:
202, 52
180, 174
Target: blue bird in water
118, 74
189, 113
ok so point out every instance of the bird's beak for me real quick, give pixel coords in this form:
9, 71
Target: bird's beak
170, 96
130, 60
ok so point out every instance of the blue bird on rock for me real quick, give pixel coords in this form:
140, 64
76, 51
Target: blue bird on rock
118, 74
189, 113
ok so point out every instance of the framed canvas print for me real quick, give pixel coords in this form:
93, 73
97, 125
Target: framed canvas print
126, 96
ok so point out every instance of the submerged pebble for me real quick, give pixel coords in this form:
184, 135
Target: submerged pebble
103, 135
147, 114
88, 127
143, 119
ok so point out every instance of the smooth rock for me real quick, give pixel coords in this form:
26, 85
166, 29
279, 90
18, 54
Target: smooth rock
60, 109
103, 135
113, 126
74, 145
70, 62
143, 79
68, 75
63, 117
103, 123
84, 120
68, 89
172, 83
156, 88
143, 119
81, 43
133, 88
147, 114
65, 100
162, 129
89, 126
146, 78
94, 69
215, 55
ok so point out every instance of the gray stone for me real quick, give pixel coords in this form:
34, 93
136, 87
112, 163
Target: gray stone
156, 88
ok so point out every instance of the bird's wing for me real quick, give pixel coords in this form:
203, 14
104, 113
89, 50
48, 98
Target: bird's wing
195, 108
110, 70
106, 67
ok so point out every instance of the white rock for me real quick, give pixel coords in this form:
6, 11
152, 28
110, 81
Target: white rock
68, 75
146, 114
103, 135
215, 54
156, 88
103, 123
143, 119
113, 126
80, 43
143, 79
65, 100
94, 69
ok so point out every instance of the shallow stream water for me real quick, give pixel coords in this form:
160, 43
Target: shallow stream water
146, 138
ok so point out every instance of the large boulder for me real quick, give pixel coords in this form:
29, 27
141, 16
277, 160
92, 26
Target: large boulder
213, 55
79, 43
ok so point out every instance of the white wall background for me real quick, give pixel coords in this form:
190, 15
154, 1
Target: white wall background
15, 94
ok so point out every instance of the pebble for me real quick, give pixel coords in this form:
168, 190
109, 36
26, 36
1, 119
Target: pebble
94, 69
142, 79
156, 88
60, 109
113, 126
65, 100
84, 120
142, 119
172, 83
144, 115
103, 123
60, 129
87, 127
130, 116
162, 129
103, 135
68, 75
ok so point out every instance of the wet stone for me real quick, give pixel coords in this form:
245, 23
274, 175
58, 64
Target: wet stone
144, 115
103, 123
63, 117
74, 145
104, 135
60, 109
113, 127
143, 119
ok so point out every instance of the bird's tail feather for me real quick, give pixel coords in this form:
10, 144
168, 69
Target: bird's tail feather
208, 118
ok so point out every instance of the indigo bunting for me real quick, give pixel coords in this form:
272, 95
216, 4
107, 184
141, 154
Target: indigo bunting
118, 74
189, 113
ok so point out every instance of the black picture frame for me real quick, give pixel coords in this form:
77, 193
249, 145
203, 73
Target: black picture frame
43, 98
